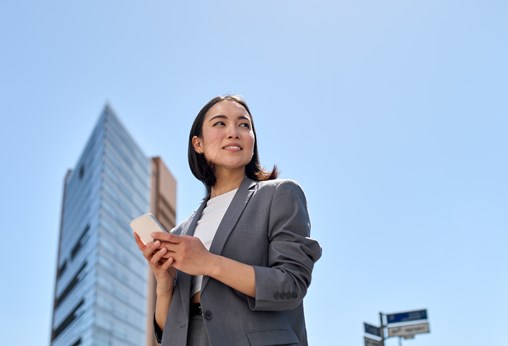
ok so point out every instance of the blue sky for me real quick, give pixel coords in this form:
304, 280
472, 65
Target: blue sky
391, 114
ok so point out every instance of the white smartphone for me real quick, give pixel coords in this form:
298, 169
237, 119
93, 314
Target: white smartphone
145, 225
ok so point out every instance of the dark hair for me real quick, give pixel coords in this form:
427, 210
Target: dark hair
204, 170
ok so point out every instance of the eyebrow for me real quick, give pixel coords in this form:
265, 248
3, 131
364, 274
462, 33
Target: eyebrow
222, 116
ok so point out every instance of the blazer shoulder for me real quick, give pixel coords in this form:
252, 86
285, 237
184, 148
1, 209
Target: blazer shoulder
280, 184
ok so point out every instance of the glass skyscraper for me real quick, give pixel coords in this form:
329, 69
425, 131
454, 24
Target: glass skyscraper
103, 288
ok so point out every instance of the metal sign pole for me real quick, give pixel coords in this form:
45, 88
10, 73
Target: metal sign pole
382, 329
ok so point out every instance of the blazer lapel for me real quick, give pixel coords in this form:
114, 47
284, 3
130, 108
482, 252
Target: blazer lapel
233, 213
184, 287
184, 280
197, 215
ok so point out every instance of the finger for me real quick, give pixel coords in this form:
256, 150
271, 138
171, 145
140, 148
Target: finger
174, 250
166, 265
167, 254
166, 237
158, 256
150, 249
139, 242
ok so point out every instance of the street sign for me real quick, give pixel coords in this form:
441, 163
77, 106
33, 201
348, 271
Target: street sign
371, 342
406, 316
409, 330
370, 329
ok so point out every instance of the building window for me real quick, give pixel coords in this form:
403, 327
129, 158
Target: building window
75, 280
61, 269
81, 172
80, 242
68, 320
77, 342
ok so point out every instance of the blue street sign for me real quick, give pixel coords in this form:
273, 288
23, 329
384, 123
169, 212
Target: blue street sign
370, 329
406, 316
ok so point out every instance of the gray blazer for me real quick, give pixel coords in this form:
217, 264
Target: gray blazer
267, 226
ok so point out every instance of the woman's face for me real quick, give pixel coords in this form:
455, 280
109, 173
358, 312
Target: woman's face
227, 139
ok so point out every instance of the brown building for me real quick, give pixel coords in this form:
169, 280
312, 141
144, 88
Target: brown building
163, 207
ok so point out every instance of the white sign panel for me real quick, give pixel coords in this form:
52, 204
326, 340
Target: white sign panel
371, 342
409, 330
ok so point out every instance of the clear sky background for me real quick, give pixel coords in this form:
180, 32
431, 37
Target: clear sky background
392, 115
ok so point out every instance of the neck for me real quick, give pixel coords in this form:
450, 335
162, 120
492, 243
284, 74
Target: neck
226, 183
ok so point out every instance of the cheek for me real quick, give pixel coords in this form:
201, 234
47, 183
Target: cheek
209, 139
249, 152
252, 141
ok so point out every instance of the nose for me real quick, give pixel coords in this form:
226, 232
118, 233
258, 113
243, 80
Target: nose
233, 132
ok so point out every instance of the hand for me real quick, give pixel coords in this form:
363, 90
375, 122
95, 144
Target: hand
161, 266
188, 253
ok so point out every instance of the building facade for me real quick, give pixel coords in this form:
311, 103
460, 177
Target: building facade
104, 291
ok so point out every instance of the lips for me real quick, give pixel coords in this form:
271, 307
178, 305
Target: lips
232, 147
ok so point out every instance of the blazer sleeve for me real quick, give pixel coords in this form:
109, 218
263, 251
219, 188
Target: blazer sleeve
282, 284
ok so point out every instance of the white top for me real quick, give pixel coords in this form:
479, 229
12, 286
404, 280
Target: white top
207, 226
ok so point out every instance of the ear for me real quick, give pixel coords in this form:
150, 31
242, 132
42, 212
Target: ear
197, 144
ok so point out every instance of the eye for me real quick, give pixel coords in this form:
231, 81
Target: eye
219, 123
246, 125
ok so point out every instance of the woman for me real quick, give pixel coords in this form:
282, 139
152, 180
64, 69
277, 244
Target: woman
237, 270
